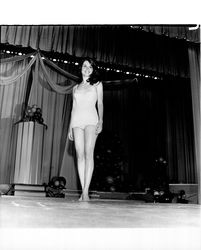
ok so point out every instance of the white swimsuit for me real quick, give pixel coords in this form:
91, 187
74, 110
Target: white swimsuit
84, 111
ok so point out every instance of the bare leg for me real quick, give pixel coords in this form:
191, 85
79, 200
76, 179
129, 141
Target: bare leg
79, 147
90, 140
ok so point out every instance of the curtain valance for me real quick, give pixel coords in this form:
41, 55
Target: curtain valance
113, 44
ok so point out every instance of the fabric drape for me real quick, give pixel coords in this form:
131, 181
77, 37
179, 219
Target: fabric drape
194, 63
55, 108
16, 58
57, 88
6, 80
179, 130
11, 101
12, 78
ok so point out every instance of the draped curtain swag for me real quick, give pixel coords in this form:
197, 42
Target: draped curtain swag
38, 59
11, 79
55, 108
12, 97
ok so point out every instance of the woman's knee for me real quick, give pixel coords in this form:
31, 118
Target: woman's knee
80, 156
89, 154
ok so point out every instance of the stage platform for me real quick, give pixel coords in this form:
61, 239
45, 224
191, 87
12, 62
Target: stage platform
53, 216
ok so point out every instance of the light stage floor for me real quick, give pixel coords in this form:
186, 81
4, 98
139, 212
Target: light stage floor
61, 213
25, 213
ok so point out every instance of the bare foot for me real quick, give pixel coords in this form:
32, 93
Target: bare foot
85, 197
81, 197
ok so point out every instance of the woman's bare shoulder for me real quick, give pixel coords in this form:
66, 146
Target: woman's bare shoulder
99, 83
74, 87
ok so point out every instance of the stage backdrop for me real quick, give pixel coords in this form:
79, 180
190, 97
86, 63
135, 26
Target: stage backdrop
138, 50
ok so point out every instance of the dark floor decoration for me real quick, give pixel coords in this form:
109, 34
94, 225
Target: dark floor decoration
55, 187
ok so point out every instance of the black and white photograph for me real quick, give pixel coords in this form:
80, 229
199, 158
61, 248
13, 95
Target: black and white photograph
100, 136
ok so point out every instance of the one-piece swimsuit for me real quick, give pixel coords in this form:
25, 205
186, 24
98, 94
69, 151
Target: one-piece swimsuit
84, 110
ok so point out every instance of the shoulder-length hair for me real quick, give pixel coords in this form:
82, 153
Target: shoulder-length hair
95, 76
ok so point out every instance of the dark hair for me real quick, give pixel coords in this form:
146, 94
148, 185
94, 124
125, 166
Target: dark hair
95, 76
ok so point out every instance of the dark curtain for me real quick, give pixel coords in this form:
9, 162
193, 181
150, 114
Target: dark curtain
152, 119
194, 63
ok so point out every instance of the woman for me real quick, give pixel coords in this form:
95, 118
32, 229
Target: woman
86, 122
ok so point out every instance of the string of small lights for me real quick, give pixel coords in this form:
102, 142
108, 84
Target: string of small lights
104, 67
166, 31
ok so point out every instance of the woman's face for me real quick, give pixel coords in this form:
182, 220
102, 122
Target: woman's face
87, 69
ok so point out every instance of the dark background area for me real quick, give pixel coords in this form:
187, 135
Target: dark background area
151, 119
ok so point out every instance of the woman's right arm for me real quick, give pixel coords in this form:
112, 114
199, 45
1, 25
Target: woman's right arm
70, 132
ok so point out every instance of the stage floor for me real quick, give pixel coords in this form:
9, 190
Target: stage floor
69, 213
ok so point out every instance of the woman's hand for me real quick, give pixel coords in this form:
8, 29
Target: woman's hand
99, 127
70, 134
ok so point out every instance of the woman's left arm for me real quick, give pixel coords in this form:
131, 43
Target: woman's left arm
99, 87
